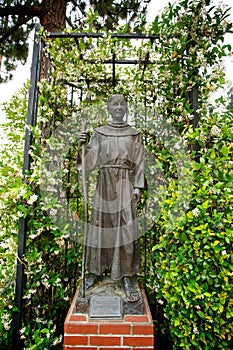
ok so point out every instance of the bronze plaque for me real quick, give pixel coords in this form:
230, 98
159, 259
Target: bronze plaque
105, 307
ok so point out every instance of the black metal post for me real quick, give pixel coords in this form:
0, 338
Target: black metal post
194, 104
114, 68
17, 343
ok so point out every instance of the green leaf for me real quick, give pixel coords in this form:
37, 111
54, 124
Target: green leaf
224, 150
183, 237
201, 314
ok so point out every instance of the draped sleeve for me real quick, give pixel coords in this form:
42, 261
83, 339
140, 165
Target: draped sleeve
139, 160
91, 155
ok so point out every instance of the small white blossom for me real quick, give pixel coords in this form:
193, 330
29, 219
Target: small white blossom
22, 330
215, 131
22, 191
53, 212
32, 291
57, 340
32, 199
196, 212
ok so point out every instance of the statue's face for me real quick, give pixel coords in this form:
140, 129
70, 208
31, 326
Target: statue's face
117, 108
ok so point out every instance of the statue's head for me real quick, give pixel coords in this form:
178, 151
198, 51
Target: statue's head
117, 107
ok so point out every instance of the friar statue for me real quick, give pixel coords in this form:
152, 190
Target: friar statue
112, 242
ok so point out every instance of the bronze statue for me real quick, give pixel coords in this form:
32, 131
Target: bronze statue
112, 243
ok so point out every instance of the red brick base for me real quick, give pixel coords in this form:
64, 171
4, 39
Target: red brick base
134, 332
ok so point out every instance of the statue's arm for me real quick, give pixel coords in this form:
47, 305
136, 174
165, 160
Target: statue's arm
92, 151
139, 160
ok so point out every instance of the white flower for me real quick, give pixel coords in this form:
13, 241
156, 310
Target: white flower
22, 191
196, 212
53, 212
57, 340
215, 131
195, 330
22, 330
32, 199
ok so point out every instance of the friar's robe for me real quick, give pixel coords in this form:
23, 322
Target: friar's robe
113, 237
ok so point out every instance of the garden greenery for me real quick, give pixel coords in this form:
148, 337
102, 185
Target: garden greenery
190, 262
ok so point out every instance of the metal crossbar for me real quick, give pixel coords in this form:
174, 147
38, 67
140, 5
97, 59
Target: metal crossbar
64, 35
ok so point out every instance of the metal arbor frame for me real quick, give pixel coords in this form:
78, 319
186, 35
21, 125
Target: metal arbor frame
36, 70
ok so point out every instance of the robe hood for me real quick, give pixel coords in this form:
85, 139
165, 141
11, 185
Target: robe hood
117, 130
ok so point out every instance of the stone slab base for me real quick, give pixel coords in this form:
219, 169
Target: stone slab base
108, 287
133, 332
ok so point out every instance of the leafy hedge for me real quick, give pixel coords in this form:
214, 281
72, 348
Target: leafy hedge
194, 262
190, 260
10, 187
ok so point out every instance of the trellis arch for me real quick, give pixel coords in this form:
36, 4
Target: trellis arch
42, 68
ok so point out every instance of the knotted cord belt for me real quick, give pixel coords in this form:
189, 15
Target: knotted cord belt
116, 166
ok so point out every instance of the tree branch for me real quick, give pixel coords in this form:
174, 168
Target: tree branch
74, 2
21, 10
11, 30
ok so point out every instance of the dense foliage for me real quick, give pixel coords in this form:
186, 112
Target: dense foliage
188, 258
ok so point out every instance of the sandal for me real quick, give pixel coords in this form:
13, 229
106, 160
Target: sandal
131, 293
91, 281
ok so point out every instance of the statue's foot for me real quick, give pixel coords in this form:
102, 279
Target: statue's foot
91, 280
131, 293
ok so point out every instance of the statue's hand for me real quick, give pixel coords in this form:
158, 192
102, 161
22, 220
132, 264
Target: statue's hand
137, 194
82, 137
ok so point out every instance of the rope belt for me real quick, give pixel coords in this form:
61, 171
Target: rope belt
116, 166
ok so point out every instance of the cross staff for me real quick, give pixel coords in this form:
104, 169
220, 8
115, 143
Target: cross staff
84, 185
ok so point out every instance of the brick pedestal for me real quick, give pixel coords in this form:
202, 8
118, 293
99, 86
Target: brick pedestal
133, 332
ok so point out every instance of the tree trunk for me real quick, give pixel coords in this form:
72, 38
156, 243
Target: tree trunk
53, 15
52, 18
